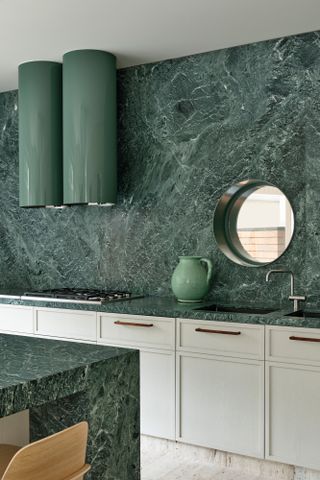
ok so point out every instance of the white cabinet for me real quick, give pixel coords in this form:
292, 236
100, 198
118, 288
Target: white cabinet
155, 338
292, 414
157, 393
148, 332
66, 324
14, 429
202, 382
220, 403
220, 398
300, 346
221, 338
16, 319
293, 396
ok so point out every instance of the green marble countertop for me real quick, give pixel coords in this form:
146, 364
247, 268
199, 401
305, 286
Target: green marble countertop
62, 383
169, 307
31, 368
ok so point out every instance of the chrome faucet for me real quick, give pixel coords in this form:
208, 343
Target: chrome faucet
295, 298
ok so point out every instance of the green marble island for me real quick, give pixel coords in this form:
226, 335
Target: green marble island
62, 383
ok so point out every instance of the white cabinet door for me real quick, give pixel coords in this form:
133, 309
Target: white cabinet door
292, 414
157, 393
220, 403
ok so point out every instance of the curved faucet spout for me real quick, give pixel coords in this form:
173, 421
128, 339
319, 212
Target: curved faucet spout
295, 298
282, 270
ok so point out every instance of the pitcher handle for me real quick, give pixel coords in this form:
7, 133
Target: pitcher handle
209, 267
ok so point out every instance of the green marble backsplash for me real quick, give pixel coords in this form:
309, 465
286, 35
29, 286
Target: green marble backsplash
188, 128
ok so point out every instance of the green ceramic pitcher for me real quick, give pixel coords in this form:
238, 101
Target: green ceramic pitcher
190, 281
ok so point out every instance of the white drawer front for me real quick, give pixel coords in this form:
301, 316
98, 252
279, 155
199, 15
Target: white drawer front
74, 324
220, 338
16, 319
148, 332
293, 345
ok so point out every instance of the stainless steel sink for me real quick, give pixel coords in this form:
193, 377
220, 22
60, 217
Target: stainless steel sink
303, 314
248, 310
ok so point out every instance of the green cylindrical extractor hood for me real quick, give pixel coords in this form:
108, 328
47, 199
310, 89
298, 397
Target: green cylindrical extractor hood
89, 128
40, 134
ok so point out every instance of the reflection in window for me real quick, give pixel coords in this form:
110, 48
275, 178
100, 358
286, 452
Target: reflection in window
265, 224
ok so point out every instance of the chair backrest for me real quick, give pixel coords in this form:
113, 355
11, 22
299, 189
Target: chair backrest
58, 457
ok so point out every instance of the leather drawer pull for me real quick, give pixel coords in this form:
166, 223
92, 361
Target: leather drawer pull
305, 339
131, 324
220, 332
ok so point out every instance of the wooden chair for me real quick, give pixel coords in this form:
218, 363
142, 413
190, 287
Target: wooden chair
58, 457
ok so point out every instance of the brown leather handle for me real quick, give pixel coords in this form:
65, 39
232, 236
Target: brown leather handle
132, 324
305, 339
220, 332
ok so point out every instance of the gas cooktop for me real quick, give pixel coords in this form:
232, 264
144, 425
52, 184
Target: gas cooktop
77, 295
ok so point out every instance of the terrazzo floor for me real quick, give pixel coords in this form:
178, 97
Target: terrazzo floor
164, 469
168, 460
170, 464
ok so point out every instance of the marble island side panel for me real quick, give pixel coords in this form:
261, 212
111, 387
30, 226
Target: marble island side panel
63, 383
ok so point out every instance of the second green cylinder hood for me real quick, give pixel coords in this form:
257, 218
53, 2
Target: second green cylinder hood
89, 128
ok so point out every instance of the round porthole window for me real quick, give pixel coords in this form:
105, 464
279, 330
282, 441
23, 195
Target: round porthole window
253, 223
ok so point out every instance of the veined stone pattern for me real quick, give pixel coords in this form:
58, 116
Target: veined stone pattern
188, 129
63, 383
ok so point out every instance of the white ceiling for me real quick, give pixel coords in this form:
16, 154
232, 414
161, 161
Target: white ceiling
141, 31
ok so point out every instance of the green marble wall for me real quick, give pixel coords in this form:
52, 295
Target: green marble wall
188, 128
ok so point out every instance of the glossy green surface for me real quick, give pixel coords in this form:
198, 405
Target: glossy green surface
40, 134
190, 281
89, 127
